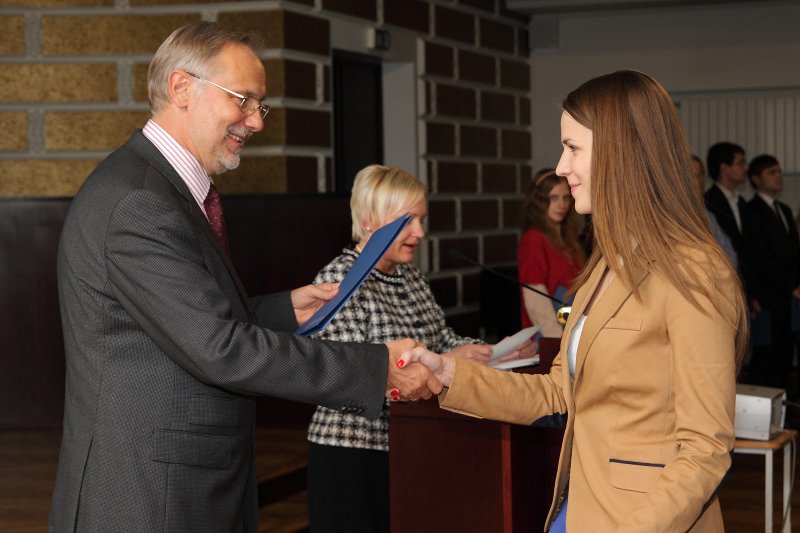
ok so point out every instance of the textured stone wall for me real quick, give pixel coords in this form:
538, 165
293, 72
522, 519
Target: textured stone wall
478, 144
73, 87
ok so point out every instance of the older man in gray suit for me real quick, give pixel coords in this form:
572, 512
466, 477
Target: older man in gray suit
164, 350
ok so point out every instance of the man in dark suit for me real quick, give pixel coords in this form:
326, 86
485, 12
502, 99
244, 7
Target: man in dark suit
164, 350
772, 241
728, 168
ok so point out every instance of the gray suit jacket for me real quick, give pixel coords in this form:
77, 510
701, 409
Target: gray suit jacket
164, 353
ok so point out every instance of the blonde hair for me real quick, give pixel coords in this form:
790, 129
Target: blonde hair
193, 48
642, 188
379, 192
562, 235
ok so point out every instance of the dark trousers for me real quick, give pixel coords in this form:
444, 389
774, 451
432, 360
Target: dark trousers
771, 364
348, 490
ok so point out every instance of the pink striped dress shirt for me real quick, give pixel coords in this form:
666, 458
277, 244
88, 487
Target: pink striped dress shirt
184, 163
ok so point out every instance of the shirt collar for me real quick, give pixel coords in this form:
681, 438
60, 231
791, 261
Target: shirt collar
732, 196
768, 199
185, 164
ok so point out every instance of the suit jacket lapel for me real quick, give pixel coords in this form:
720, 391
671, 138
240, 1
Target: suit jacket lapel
583, 296
602, 310
768, 217
786, 221
789, 218
721, 209
142, 145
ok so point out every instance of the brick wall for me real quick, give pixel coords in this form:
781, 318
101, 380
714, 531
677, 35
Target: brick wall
478, 144
73, 87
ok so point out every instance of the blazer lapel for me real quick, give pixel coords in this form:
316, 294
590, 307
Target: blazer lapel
582, 298
789, 218
142, 145
603, 309
584, 295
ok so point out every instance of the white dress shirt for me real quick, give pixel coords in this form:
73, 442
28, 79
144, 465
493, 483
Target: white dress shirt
733, 201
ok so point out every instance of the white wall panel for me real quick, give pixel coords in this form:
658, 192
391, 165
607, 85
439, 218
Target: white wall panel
761, 122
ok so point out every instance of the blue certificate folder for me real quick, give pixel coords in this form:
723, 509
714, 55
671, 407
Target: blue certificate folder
373, 251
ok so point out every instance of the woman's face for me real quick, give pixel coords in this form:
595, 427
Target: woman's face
576, 162
559, 204
402, 250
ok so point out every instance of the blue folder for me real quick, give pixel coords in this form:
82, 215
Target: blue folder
373, 251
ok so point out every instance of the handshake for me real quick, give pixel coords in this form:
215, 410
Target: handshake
415, 372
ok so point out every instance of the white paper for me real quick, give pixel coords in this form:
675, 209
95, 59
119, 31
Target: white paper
509, 344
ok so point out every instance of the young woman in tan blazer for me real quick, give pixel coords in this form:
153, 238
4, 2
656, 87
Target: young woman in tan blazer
648, 360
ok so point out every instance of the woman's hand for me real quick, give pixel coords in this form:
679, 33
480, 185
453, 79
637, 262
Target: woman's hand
441, 366
406, 380
476, 352
525, 350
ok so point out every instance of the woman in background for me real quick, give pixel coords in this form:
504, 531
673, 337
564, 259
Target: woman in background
348, 469
550, 255
648, 360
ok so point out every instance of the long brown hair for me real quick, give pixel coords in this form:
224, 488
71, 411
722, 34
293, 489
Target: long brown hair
646, 209
564, 235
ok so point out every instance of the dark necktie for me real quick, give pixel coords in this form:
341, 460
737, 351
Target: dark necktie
741, 205
216, 217
778, 214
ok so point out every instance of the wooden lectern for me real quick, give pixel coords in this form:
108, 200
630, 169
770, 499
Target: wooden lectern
449, 472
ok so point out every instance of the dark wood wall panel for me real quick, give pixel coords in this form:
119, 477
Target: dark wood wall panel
31, 345
278, 242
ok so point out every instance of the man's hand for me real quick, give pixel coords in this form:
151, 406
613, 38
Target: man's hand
408, 381
442, 366
307, 300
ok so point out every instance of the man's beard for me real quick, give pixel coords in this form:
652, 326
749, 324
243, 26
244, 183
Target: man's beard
230, 161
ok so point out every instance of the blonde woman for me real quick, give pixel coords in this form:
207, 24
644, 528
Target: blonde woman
348, 471
650, 352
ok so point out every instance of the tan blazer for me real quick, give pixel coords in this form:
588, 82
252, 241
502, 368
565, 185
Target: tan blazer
650, 410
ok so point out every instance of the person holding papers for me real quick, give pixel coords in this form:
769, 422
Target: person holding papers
648, 360
549, 256
348, 470
165, 352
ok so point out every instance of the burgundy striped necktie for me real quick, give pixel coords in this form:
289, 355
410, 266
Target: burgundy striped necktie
216, 217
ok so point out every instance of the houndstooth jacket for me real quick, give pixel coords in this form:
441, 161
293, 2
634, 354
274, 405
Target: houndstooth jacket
386, 307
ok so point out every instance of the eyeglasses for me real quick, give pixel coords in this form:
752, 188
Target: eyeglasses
248, 105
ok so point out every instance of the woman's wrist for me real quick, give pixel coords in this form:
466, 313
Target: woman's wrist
447, 370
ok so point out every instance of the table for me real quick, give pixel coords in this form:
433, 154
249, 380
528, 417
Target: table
784, 440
